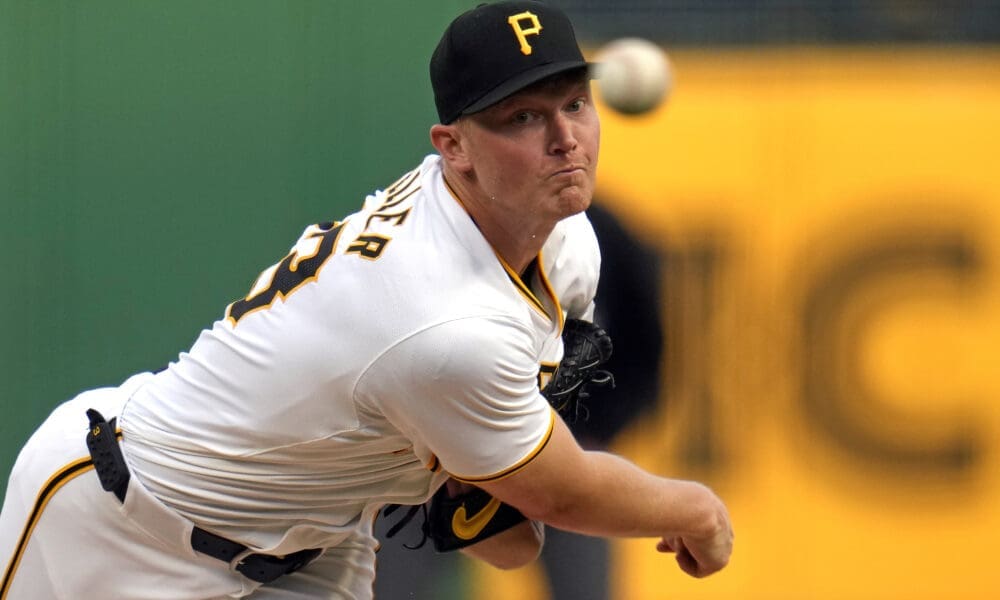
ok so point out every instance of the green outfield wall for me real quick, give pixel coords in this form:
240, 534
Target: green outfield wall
155, 156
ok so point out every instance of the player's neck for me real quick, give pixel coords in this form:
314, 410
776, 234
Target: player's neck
516, 244
518, 257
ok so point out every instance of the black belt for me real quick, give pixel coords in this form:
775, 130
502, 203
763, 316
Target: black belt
102, 442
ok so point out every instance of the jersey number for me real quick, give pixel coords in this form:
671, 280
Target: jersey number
298, 268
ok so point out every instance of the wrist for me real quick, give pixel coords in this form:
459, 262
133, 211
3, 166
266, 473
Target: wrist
708, 516
714, 518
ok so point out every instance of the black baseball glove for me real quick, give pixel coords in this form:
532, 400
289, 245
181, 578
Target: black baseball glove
585, 348
454, 522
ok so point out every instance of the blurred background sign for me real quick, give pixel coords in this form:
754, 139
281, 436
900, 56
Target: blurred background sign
822, 188
833, 311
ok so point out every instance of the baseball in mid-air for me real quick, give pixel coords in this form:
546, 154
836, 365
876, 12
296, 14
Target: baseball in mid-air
634, 75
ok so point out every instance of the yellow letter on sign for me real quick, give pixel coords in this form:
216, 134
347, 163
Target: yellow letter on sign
523, 33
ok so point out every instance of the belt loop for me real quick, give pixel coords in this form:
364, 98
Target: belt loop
102, 442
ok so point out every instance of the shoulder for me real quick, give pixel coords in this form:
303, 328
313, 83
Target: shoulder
576, 231
572, 261
573, 244
399, 195
467, 390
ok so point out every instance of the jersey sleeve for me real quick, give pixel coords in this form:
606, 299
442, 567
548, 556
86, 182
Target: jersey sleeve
572, 261
466, 390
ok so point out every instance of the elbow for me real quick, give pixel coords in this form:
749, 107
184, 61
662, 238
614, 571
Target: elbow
516, 559
524, 545
517, 547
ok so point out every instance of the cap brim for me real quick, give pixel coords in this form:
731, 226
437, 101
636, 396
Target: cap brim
523, 80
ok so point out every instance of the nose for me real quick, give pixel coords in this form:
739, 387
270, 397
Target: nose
562, 134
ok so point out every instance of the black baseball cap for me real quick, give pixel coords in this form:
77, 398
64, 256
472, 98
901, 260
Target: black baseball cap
495, 50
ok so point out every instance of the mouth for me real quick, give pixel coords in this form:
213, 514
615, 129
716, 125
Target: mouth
569, 171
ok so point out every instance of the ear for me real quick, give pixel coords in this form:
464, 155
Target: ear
448, 140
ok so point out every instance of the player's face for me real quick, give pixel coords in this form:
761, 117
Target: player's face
535, 153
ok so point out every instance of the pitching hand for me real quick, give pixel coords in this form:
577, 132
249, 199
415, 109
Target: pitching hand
702, 555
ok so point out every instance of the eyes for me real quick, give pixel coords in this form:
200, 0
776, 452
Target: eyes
524, 117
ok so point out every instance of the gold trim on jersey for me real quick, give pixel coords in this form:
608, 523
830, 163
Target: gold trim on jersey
515, 277
521, 463
433, 465
523, 287
547, 285
61, 478
546, 370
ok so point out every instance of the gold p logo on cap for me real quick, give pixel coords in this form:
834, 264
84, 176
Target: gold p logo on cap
521, 32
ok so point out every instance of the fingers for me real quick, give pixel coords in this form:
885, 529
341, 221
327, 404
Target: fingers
690, 565
700, 562
685, 560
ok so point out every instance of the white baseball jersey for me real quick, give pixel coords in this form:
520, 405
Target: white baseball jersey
383, 354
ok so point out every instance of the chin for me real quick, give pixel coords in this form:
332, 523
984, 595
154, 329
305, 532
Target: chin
573, 202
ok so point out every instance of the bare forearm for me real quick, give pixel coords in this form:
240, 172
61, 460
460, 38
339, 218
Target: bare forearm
612, 497
601, 494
